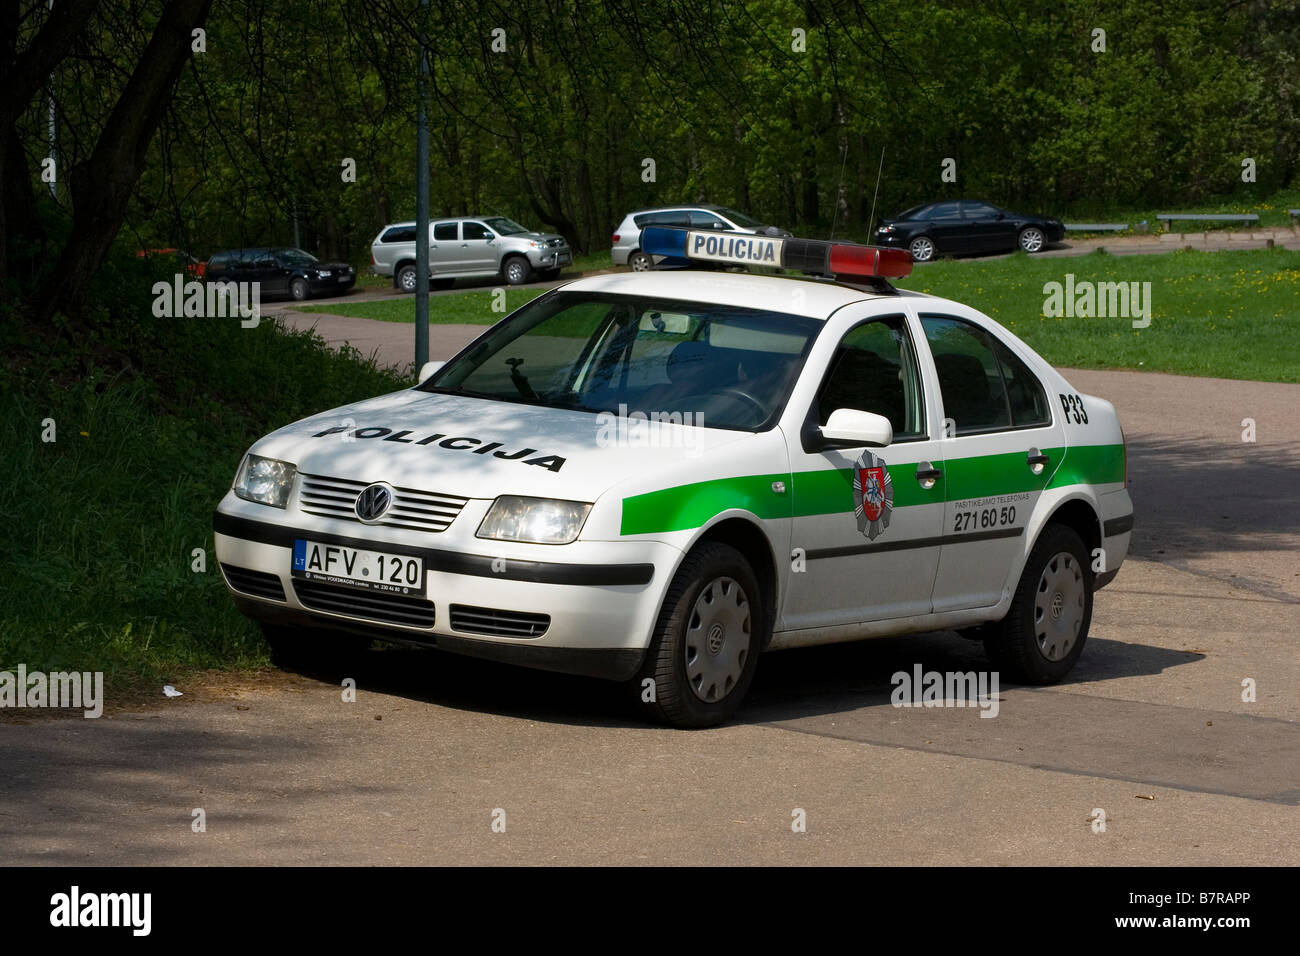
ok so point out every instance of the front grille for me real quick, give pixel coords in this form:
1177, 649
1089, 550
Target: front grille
257, 583
490, 620
556, 243
383, 608
411, 509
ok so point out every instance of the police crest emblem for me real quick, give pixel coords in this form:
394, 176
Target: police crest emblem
873, 495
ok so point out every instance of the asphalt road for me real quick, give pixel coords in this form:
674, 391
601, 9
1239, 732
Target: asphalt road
1150, 728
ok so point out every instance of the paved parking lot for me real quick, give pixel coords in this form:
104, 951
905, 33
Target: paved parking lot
1151, 727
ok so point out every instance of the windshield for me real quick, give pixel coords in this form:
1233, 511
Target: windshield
505, 227
726, 366
294, 257
740, 219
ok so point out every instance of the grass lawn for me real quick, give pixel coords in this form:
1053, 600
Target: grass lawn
109, 479
1222, 314
463, 308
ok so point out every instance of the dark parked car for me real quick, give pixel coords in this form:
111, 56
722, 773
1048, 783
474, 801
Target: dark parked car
283, 271
959, 226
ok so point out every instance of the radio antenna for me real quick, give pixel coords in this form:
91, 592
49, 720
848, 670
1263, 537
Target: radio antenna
871, 222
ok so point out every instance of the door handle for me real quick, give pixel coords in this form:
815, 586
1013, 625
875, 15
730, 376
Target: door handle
927, 474
1037, 461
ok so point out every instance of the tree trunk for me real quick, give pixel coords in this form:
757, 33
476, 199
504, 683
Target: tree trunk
101, 186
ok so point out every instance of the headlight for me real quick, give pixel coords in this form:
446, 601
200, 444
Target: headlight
265, 480
534, 520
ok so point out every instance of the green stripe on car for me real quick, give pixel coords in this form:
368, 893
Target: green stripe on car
830, 490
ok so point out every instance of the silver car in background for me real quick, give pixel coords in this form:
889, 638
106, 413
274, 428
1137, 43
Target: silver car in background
470, 247
625, 243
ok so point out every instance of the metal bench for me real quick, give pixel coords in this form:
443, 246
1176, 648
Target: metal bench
1095, 226
1168, 217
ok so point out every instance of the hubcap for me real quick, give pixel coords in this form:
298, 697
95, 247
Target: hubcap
1059, 606
922, 249
717, 640
408, 281
1031, 240
640, 263
515, 272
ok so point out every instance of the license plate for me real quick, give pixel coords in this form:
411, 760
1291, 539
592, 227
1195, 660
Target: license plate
345, 278
356, 567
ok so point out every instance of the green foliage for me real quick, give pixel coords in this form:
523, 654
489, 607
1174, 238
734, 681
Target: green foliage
98, 526
553, 130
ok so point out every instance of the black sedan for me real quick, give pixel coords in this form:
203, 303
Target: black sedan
963, 226
282, 271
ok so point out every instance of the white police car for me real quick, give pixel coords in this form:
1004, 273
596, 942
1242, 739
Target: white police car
654, 477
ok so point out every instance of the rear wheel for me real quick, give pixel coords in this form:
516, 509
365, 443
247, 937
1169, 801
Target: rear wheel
706, 642
517, 270
406, 278
640, 262
1043, 634
922, 248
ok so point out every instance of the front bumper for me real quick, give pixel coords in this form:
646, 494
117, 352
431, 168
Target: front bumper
554, 258
891, 239
333, 283
595, 604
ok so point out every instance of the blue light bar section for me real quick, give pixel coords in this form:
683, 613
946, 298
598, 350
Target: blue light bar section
663, 241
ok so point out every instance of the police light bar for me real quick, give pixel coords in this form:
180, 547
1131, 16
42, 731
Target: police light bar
848, 259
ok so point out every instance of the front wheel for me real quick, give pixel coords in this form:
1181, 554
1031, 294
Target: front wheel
517, 270
706, 642
1032, 239
1043, 634
922, 248
299, 290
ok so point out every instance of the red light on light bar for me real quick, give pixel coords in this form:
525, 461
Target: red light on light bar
870, 261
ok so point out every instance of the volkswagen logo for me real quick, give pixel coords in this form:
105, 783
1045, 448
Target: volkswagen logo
373, 502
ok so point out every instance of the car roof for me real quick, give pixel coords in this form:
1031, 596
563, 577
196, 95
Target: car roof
817, 299
681, 207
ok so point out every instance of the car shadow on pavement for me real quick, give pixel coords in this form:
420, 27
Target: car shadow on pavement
788, 684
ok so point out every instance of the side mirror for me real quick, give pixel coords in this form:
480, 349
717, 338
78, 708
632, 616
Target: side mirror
427, 369
849, 426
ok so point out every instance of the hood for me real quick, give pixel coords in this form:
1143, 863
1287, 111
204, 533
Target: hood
478, 448
331, 266
538, 236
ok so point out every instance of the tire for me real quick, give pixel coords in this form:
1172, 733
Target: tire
713, 601
1031, 239
640, 262
295, 648
405, 278
1043, 634
922, 249
517, 270
299, 289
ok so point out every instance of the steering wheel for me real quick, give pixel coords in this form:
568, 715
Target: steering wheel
740, 393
